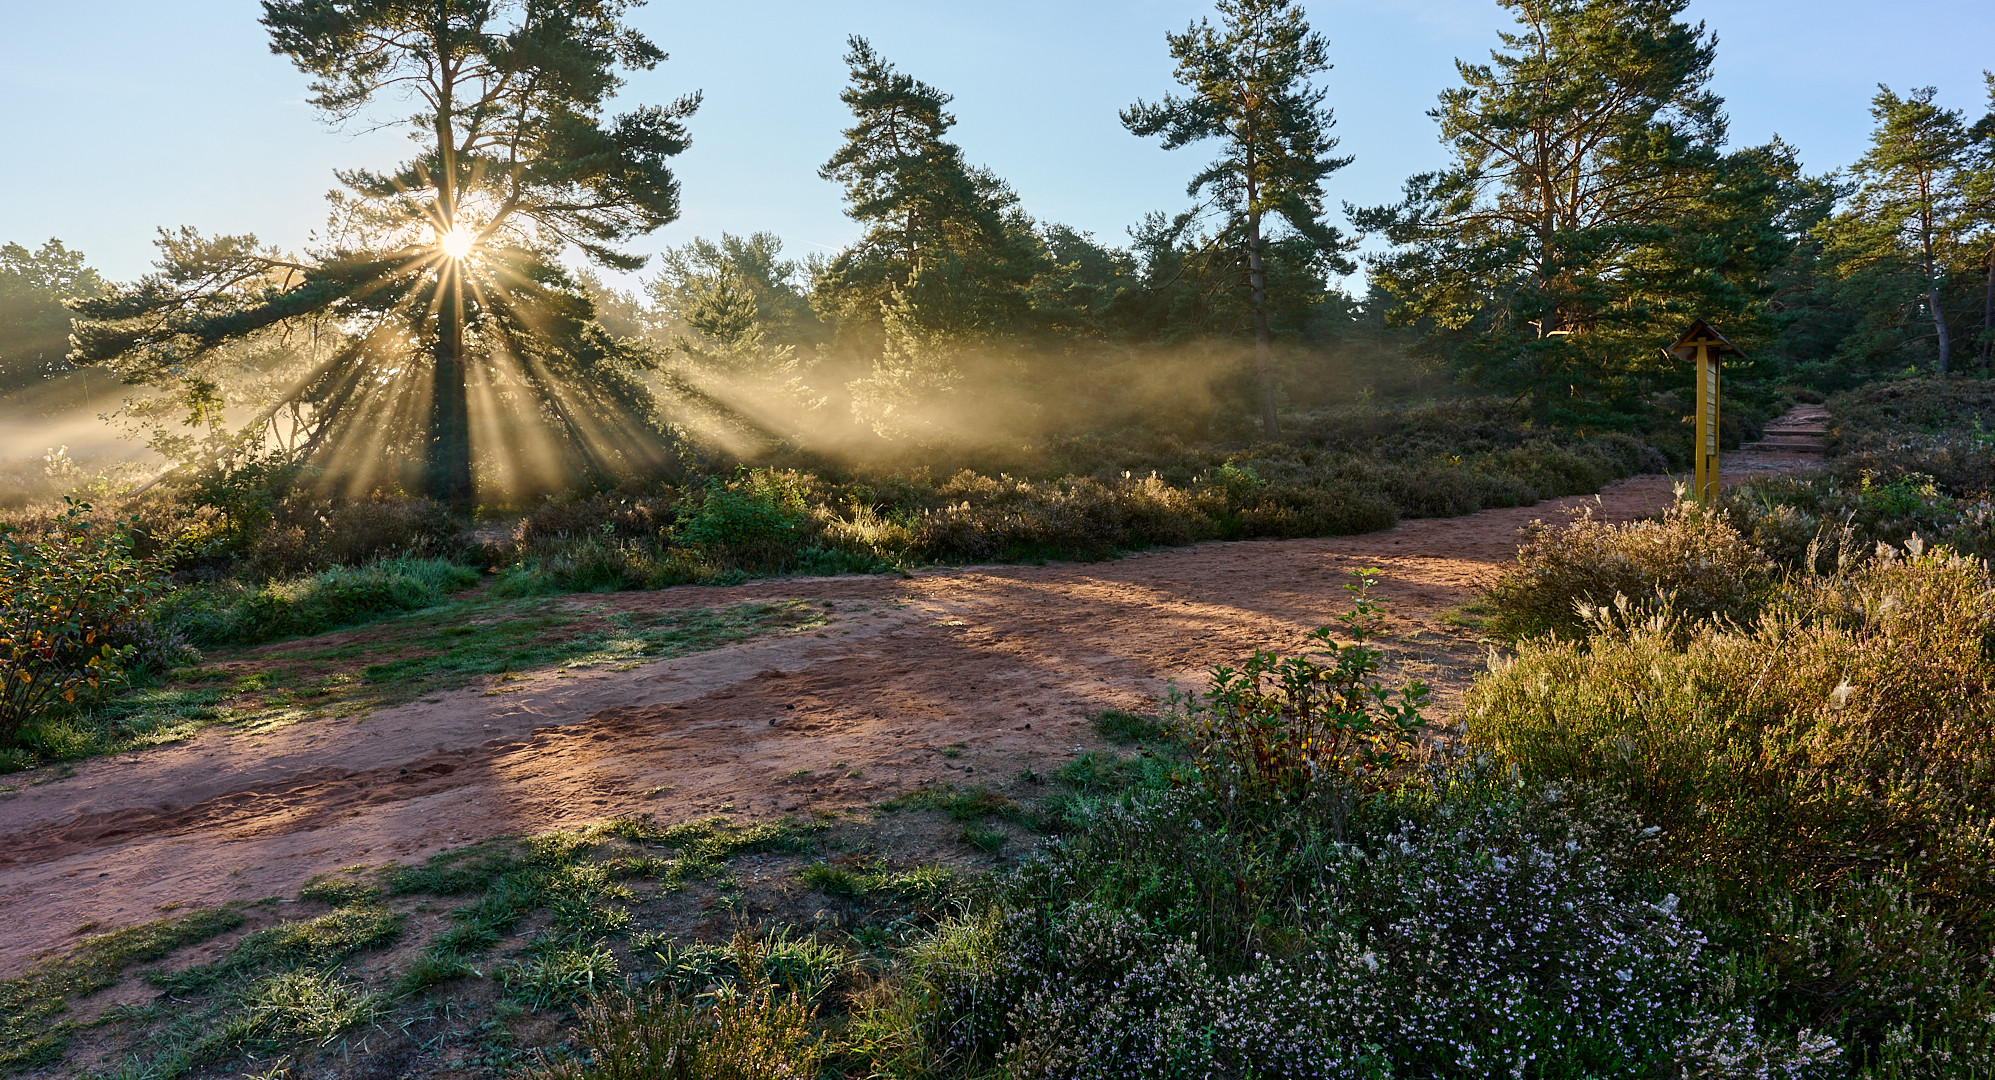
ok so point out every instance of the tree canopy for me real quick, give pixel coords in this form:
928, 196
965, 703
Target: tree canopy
947, 249
1590, 206
34, 323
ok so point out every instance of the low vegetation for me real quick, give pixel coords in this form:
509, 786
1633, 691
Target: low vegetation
1748, 832
473, 639
224, 560
1722, 807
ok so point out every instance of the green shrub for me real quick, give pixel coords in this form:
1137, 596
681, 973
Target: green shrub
1082, 497
757, 521
74, 607
1941, 429
1332, 509
605, 515
604, 563
1691, 562
235, 614
1282, 727
1840, 522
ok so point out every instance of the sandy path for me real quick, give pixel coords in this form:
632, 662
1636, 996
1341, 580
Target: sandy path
1000, 664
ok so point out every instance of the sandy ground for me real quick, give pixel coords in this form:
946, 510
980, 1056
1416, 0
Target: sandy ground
947, 676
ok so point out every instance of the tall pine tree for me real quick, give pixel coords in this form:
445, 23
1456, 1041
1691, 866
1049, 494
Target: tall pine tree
1589, 208
439, 281
1909, 200
946, 247
1250, 86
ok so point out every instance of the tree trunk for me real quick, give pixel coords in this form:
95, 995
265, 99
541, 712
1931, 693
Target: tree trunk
1988, 313
1264, 361
1931, 266
448, 471
1939, 322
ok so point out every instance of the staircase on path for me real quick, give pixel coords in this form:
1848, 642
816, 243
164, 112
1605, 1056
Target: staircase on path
1797, 439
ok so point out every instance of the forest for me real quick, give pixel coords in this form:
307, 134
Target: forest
1674, 787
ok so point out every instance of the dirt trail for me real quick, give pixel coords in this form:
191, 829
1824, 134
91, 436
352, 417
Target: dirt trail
955, 675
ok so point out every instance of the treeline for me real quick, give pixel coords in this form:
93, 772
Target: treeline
1592, 205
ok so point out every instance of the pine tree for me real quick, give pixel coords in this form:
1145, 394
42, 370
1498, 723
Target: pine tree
1589, 205
1909, 193
438, 279
691, 276
946, 245
1250, 83
1978, 198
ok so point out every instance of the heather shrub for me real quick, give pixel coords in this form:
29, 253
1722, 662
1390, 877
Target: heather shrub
1903, 989
1848, 731
603, 563
360, 531
1079, 497
1840, 522
1692, 562
264, 521
985, 517
599, 515
1446, 487
1412, 945
306, 533
1940, 429
1331, 509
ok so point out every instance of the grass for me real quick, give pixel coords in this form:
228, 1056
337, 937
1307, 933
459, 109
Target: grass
544, 922
34, 1030
396, 661
1127, 727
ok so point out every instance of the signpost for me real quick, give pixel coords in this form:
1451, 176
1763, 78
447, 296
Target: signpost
1703, 345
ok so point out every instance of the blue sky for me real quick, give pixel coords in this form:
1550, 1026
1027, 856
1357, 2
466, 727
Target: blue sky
120, 116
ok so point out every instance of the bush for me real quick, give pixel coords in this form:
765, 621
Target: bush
1335, 509
1838, 522
1084, 497
759, 520
231, 613
1941, 429
1821, 777
604, 564
600, 515
1692, 563
1283, 727
74, 607
1850, 731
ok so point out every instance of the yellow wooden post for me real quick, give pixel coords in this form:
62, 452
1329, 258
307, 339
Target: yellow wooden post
1707, 425
1702, 345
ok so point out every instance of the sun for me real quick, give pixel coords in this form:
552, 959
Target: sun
456, 243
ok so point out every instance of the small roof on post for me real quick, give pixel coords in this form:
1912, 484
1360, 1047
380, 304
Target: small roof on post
1702, 333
